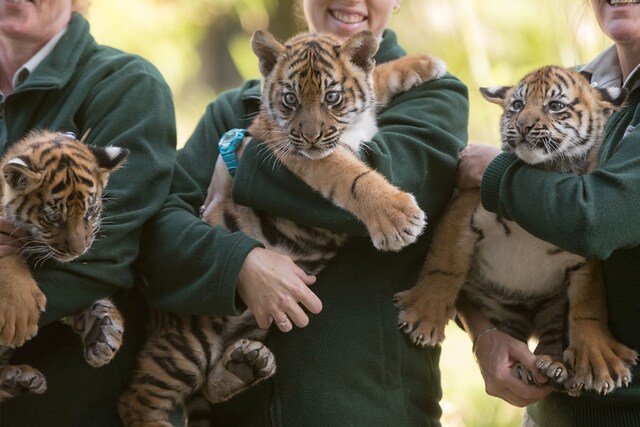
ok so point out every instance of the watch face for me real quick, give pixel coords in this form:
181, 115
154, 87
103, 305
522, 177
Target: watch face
229, 137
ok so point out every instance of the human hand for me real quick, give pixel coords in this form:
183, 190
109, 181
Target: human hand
221, 182
9, 238
497, 353
273, 288
474, 159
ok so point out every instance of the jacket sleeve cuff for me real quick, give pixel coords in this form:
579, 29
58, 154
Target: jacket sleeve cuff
491, 180
235, 260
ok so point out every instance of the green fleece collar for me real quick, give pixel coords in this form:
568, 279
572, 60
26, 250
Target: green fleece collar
57, 68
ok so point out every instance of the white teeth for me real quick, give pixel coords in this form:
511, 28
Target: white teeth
17, 1
615, 2
348, 18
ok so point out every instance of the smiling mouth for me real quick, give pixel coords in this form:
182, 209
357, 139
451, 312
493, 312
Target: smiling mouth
617, 2
348, 18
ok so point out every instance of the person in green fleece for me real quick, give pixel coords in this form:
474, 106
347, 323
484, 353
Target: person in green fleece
54, 76
603, 222
346, 364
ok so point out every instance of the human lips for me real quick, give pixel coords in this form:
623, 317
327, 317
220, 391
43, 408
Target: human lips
347, 17
622, 2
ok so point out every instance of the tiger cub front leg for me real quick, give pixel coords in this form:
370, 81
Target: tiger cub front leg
101, 327
400, 75
21, 302
425, 309
597, 360
392, 217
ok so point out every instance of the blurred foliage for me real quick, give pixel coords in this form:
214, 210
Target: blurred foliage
202, 48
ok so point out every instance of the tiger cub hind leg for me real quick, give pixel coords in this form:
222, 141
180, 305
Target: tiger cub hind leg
199, 411
596, 360
600, 364
17, 380
397, 76
101, 328
243, 364
426, 308
170, 368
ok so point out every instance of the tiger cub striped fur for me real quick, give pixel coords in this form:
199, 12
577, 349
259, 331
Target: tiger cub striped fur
555, 120
51, 187
318, 104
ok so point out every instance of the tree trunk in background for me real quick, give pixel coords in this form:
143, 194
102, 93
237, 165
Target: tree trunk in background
217, 67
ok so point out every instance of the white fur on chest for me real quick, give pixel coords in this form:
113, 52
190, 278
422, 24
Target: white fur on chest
362, 130
518, 261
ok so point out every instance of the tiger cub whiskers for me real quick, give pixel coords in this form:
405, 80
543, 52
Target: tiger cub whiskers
553, 119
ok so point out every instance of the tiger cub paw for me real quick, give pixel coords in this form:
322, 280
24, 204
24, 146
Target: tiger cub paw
17, 380
555, 370
416, 69
251, 361
101, 328
243, 364
421, 317
397, 222
599, 365
395, 77
20, 308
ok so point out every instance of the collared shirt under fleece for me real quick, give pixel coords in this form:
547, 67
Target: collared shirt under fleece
350, 366
594, 215
125, 102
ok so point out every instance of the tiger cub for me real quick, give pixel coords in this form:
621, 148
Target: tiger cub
318, 104
51, 188
555, 120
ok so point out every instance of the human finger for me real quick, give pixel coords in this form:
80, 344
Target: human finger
285, 324
310, 300
263, 319
297, 315
9, 245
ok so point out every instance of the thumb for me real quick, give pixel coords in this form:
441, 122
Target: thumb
522, 354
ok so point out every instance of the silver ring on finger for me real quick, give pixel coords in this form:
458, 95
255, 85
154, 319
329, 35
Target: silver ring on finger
283, 323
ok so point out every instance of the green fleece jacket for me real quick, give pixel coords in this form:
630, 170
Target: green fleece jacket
125, 102
351, 366
594, 215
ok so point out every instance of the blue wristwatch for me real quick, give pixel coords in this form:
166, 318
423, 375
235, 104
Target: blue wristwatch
227, 147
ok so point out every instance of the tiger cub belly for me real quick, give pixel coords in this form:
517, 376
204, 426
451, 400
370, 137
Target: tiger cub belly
509, 257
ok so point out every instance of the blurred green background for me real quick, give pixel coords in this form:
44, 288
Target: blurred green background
202, 48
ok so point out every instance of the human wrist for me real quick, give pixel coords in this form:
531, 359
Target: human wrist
474, 347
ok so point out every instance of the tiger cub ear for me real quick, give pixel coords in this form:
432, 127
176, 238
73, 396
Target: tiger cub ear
360, 50
18, 175
495, 94
109, 159
268, 49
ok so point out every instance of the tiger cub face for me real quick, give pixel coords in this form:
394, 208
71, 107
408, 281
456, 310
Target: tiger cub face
317, 91
553, 113
52, 187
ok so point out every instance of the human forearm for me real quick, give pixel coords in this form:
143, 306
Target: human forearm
584, 214
416, 149
497, 353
